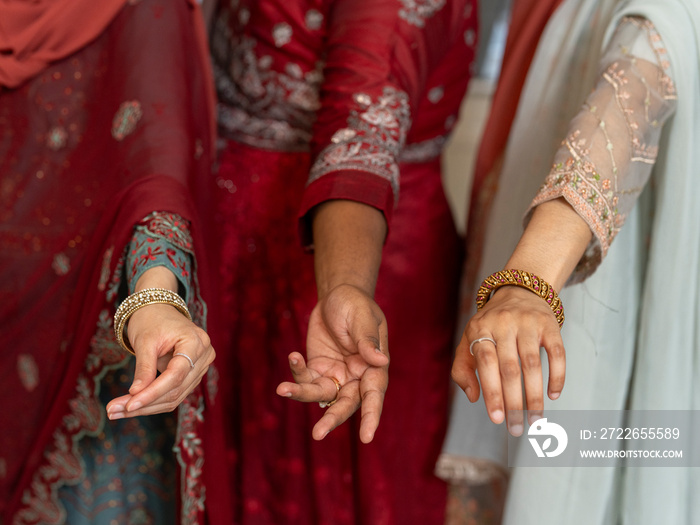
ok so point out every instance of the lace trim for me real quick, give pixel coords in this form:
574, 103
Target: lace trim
416, 12
85, 417
372, 141
453, 468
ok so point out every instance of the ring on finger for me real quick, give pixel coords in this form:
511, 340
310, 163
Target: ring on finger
480, 340
326, 404
186, 357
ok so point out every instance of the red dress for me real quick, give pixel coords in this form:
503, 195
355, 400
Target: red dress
90, 144
323, 100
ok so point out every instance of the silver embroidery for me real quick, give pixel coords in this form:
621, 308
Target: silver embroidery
244, 16
282, 34
57, 138
61, 264
416, 12
313, 19
423, 151
435, 95
258, 105
28, 371
372, 141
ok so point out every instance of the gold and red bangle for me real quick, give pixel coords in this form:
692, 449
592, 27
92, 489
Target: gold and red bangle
524, 280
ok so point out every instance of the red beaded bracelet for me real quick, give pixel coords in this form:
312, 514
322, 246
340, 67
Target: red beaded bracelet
524, 280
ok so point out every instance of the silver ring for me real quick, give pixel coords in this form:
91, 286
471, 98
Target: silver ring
479, 341
186, 357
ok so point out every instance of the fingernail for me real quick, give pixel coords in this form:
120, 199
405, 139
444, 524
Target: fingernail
294, 361
377, 350
469, 392
516, 430
497, 415
534, 416
115, 415
135, 384
115, 408
134, 406
324, 435
554, 395
287, 394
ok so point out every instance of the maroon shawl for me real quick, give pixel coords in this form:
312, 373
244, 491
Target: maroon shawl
90, 145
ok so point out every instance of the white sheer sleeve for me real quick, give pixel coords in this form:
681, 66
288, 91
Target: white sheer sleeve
611, 146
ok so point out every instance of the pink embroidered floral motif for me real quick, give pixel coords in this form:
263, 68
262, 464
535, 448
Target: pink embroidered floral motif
126, 119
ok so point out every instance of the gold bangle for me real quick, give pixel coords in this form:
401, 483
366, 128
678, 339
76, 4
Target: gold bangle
525, 280
138, 300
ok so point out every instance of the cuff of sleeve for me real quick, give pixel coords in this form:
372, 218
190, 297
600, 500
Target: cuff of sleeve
350, 185
183, 285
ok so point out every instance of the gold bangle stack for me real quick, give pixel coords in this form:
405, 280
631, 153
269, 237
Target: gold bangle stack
138, 300
525, 280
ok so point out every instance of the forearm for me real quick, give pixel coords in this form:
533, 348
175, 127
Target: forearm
348, 241
553, 242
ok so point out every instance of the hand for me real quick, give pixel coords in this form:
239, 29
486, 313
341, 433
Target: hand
156, 332
520, 322
348, 341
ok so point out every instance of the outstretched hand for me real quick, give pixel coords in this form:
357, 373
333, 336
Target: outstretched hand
157, 332
347, 342
519, 322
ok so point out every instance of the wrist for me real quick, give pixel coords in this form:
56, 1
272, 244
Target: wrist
157, 277
348, 240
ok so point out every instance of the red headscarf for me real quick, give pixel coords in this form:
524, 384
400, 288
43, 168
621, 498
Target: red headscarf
34, 34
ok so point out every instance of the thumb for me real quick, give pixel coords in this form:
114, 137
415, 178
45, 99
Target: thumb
369, 332
145, 372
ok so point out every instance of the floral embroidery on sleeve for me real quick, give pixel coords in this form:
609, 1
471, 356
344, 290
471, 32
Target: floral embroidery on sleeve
372, 141
161, 239
612, 144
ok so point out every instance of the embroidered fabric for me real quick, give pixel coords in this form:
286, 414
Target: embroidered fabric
372, 141
161, 239
611, 146
416, 12
259, 104
269, 72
